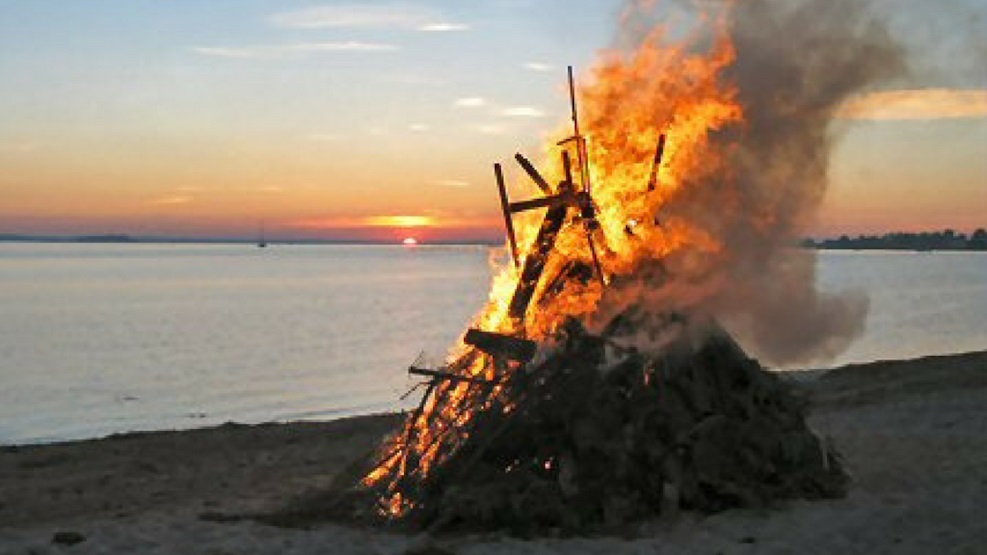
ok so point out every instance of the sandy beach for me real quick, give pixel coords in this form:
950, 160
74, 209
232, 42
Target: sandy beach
912, 433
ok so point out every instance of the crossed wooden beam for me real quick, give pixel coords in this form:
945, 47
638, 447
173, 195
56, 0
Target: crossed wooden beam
561, 201
566, 197
571, 197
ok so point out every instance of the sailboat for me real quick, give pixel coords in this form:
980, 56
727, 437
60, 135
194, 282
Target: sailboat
261, 242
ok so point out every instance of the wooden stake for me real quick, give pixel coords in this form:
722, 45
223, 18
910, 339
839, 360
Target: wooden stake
583, 157
505, 206
656, 163
533, 174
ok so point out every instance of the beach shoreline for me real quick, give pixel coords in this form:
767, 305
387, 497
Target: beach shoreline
911, 432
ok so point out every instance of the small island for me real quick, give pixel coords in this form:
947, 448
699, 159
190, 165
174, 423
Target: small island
108, 238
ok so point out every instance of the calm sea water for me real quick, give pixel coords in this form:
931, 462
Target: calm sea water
96, 339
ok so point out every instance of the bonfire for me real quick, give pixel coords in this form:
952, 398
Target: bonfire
538, 423
597, 388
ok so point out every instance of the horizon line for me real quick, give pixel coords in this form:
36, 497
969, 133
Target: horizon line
132, 238
128, 238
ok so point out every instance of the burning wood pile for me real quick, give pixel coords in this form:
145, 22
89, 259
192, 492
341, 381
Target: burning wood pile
593, 434
549, 416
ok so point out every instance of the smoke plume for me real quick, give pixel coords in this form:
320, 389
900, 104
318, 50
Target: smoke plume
796, 62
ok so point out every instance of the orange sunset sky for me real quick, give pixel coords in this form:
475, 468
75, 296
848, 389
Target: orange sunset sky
381, 120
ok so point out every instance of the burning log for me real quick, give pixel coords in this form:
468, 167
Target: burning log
534, 263
563, 199
501, 346
442, 375
572, 272
656, 163
558, 204
558, 212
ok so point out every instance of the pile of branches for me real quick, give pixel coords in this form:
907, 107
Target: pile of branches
593, 434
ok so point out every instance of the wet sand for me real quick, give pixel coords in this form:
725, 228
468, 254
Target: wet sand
912, 432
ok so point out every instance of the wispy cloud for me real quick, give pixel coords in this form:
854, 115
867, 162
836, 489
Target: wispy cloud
395, 15
537, 66
918, 104
416, 79
354, 15
18, 147
443, 27
490, 129
419, 127
287, 50
366, 221
348, 46
470, 102
523, 112
225, 52
172, 200
324, 137
455, 183
322, 223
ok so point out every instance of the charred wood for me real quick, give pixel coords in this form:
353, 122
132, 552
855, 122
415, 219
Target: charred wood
656, 163
499, 345
505, 207
590, 438
529, 169
442, 375
534, 264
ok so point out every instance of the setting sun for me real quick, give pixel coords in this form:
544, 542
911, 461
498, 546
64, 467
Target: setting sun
409, 241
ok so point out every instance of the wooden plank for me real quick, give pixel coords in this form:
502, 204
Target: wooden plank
572, 271
505, 206
442, 375
533, 174
544, 202
499, 345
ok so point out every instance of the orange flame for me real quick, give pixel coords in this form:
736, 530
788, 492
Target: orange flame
630, 102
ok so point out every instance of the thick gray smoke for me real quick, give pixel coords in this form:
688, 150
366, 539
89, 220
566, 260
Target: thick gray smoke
797, 61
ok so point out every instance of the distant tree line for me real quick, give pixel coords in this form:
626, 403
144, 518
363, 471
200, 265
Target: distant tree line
946, 240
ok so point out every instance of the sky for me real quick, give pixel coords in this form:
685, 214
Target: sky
380, 120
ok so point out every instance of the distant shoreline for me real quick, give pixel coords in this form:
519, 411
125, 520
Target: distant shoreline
118, 239
946, 240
